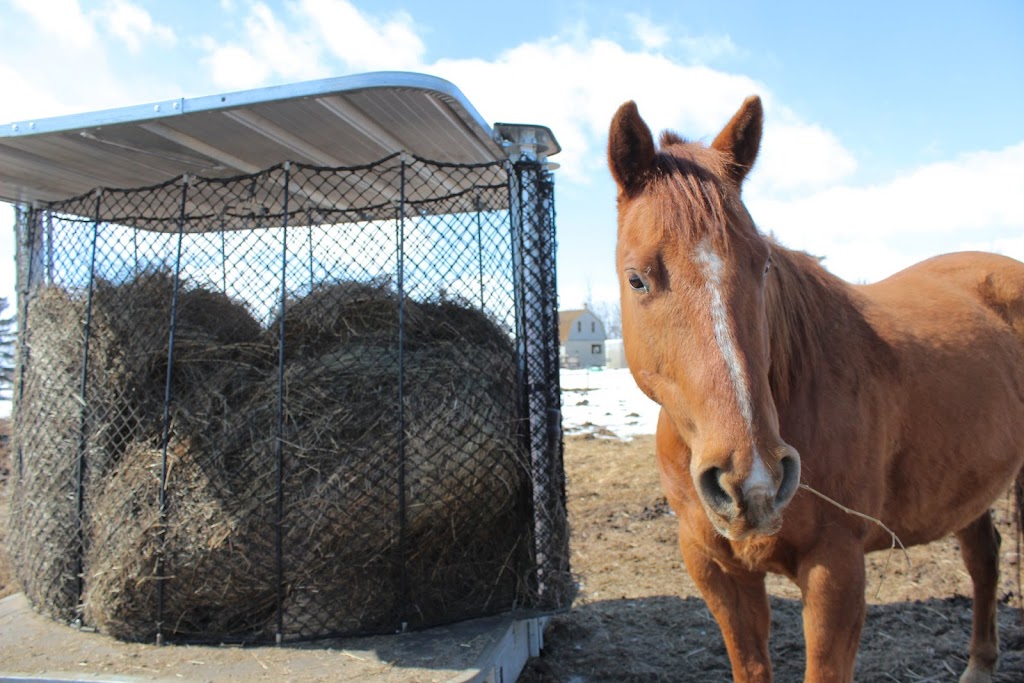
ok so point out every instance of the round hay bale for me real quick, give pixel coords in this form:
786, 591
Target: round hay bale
337, 313
367, 314
207, 544
405, 488
131, 325
348, 521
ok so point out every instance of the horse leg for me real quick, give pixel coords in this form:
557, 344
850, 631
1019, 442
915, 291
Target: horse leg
739, 602
831, 579
979, 548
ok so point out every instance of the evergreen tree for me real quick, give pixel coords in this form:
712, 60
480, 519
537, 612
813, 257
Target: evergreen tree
7, 341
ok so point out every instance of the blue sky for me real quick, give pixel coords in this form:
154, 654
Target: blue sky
894, 129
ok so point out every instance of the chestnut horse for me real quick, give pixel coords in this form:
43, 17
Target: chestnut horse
781, 385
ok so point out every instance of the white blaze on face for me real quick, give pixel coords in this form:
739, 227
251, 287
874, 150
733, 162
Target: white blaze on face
711, 266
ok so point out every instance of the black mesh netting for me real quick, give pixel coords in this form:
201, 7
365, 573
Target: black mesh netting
255, 409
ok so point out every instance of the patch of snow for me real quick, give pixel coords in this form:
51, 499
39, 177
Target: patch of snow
606, 403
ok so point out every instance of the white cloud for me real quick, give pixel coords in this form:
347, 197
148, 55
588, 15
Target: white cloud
708, 48
49, 81
582, 86
983, 188
1010, 246
34, 99
697, 49
291, 54
585, 82
651, 36
861, 260
133, 25
301, 46
798, 156
233, 66
62, 19
362, 42
267, 49
972, 201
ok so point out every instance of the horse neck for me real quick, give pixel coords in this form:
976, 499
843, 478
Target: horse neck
811, 313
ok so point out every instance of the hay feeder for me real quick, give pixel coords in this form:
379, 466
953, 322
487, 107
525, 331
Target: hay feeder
302, 402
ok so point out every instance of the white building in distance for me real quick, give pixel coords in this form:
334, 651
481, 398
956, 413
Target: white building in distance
581, 338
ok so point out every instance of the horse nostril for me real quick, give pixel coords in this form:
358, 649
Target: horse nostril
790, 480
714, 494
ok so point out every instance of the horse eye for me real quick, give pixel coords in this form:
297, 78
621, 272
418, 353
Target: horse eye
768, 265
636, 281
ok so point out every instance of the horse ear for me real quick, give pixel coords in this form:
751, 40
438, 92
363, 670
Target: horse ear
741, 138
630, 148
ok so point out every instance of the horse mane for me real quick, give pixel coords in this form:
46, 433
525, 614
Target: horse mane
808, 308
797, 294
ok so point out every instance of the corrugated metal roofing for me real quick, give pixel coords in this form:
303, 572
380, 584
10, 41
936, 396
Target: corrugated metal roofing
344, 121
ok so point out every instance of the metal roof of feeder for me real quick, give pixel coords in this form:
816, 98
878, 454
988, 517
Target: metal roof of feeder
343, 121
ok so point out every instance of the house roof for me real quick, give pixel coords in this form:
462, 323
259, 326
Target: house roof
344, 121
565, 321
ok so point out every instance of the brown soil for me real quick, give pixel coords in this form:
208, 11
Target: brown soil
640, 618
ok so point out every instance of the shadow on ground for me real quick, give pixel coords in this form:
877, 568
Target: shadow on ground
675, 639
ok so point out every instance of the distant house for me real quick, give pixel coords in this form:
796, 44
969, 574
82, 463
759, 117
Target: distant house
581, 339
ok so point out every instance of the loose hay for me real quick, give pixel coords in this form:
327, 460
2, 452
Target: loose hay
375, 528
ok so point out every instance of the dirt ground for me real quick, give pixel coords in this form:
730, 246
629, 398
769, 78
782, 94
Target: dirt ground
7, 585
640, 618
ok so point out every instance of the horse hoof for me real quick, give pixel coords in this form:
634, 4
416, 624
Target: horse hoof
976, 674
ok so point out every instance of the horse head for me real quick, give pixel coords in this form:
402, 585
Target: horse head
693, 274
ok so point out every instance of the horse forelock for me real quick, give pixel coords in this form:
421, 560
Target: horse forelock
696, 202
669, 138
689, 195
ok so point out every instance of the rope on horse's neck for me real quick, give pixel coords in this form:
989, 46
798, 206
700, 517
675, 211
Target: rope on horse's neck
895, 539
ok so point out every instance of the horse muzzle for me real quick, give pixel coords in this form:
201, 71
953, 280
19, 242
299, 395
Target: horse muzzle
751, 504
